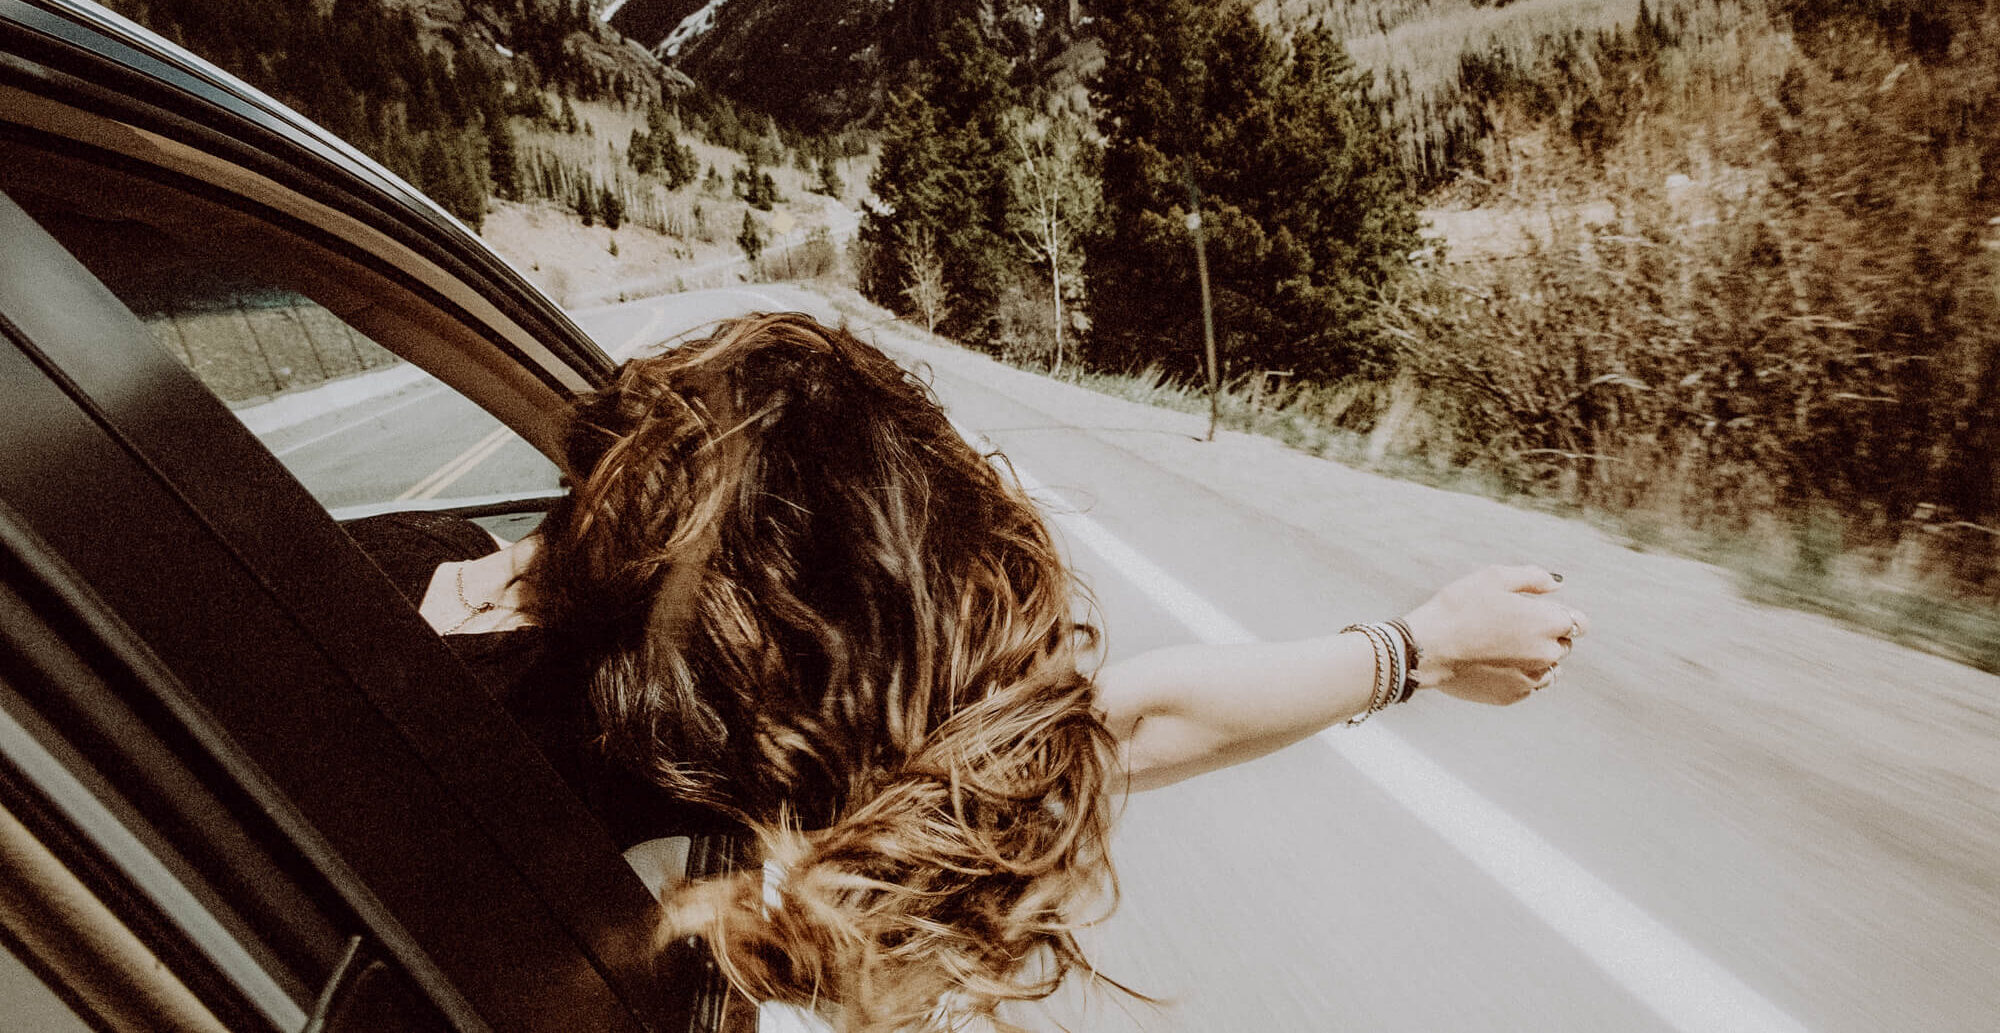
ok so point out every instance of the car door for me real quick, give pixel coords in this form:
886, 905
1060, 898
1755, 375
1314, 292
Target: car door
202, 656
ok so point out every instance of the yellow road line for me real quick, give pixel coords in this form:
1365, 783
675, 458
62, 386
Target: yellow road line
459, 466
465, 462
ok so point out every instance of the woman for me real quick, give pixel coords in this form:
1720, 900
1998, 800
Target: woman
784, 596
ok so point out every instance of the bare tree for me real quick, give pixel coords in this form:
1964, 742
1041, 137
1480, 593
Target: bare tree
1057, 195
923, 278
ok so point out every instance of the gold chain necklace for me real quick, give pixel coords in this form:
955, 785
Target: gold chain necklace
472, 611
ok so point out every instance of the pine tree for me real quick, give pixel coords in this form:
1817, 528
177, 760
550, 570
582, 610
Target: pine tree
756, 186
942, 172
1181, 87
826, 179
1304, 211
910, 193
1340, 206
611, 207
640, 152
678, 164
448, 171
502, 159
750, 237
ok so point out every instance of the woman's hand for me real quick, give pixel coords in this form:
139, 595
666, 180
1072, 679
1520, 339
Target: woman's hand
1494, 636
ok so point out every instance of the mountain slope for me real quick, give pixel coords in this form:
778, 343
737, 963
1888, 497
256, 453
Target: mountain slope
824, 64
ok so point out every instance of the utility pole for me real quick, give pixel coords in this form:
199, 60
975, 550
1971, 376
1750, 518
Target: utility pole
1207, 308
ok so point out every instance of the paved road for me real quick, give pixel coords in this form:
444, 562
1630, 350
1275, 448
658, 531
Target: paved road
1716, 823
424, 443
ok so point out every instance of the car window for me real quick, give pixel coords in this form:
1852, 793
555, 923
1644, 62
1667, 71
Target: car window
281, 340
363, 430
29, 1001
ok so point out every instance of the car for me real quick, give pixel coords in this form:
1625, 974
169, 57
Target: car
243, 785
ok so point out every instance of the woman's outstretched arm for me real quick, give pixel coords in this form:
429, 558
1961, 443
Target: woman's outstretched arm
1492, 637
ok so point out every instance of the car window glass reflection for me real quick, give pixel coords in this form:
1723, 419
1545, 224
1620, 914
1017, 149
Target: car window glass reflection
362, 429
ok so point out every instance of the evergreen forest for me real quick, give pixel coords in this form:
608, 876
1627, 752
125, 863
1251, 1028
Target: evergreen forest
458, 115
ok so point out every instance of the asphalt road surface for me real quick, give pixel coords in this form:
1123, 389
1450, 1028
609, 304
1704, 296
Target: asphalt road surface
1725, 817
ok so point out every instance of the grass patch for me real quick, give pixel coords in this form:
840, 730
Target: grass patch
1922, 620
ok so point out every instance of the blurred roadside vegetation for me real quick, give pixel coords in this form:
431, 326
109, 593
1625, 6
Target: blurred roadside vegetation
1743, 304
1760, 309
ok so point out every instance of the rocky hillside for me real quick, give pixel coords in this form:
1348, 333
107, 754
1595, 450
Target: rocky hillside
649, 22
566, 42
823, 64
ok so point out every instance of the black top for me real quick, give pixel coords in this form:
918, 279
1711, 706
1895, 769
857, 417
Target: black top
539, 683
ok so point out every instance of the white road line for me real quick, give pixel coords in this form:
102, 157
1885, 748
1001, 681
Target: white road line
1683, 986
500, 441
1667, 974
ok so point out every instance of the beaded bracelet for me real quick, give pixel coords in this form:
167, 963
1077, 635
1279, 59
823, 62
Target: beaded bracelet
1381, 654
1396, 659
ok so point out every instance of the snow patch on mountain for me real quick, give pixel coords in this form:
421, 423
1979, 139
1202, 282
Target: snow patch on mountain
691, 26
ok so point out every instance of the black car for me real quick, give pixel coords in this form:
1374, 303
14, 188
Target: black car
243, 785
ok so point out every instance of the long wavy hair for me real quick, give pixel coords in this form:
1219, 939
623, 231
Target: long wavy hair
814, 608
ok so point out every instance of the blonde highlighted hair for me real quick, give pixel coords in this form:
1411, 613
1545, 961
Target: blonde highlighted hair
815, 609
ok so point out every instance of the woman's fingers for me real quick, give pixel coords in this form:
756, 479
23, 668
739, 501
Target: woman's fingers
1500, 684
1517, 684
1525, 579
1563, 622
1535, 658
1502, 619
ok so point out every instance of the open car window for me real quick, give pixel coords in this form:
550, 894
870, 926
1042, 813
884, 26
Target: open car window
275, 661
299, 340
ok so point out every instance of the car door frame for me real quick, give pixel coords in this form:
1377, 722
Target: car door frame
343, 667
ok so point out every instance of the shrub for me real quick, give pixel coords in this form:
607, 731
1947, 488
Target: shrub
1790, 308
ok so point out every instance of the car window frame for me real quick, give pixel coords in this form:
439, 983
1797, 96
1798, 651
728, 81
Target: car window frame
102, 386
285, 562
94, 79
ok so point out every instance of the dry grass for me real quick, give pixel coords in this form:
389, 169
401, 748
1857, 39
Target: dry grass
1419, 50
1802, 566
1784, 334
692, 227
1757, 324
1423, 51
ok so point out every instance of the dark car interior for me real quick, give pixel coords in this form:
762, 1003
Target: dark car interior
308, 811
